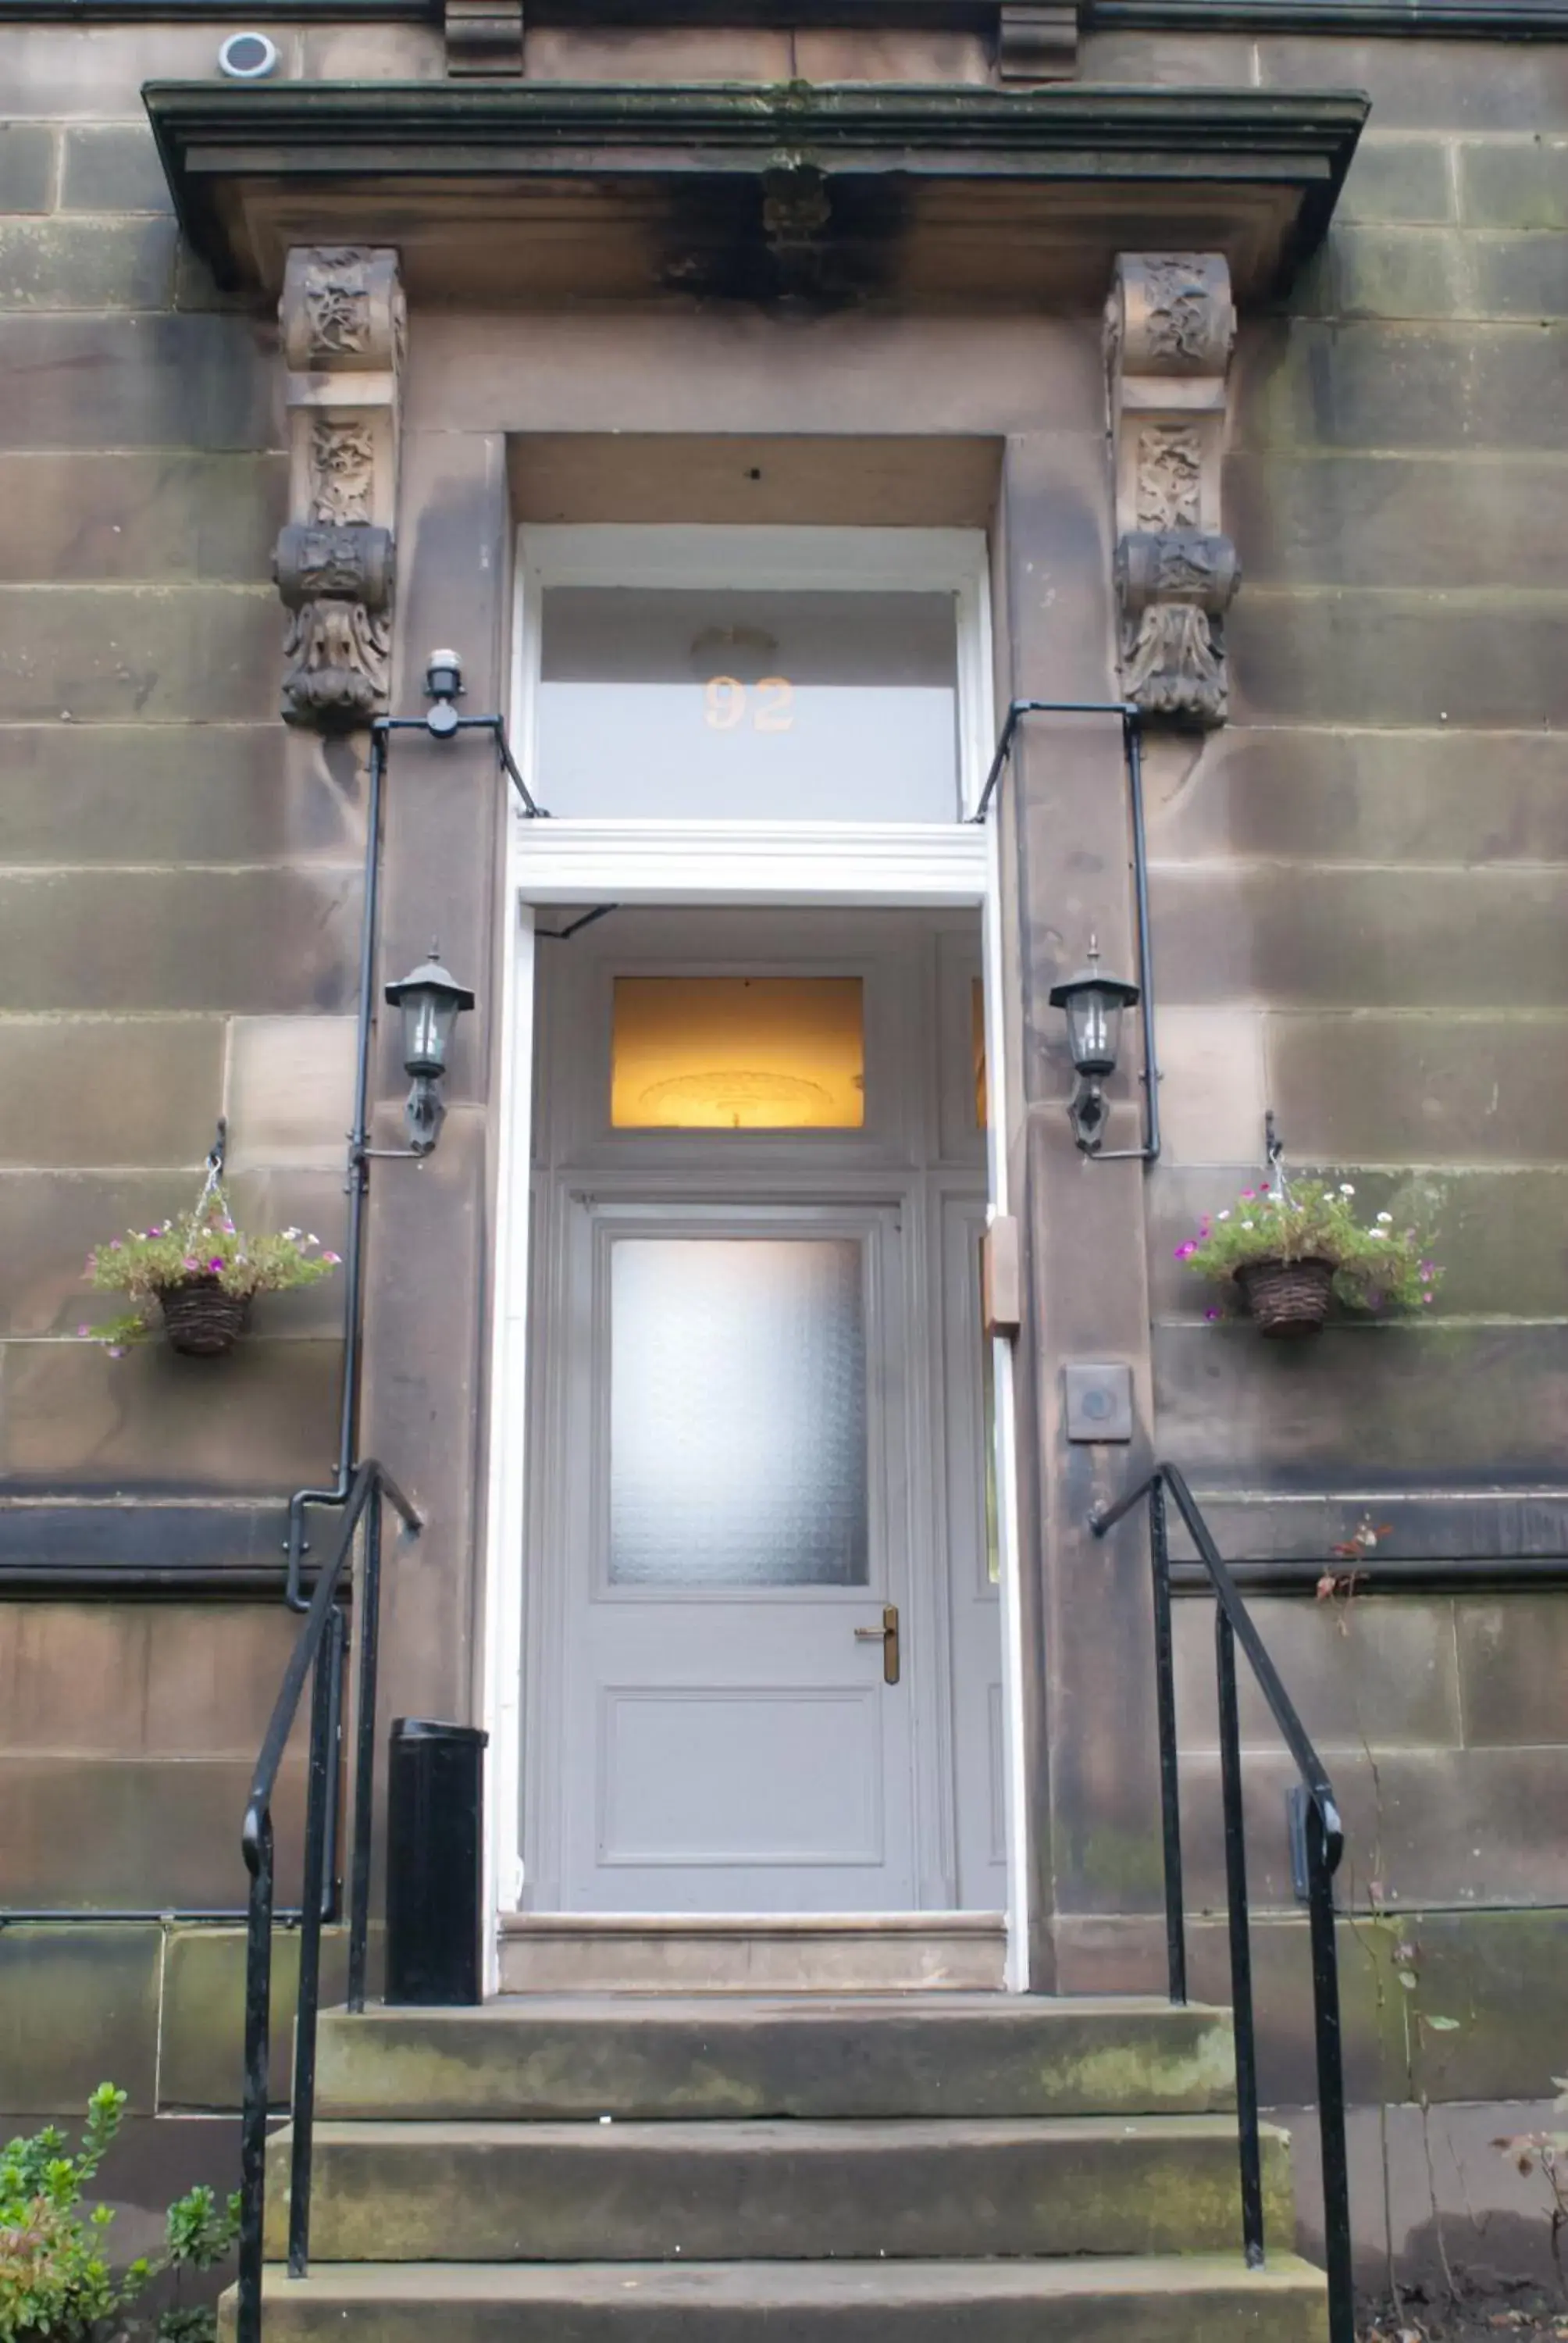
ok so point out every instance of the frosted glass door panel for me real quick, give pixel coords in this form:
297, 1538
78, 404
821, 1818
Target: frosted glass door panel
717, 706
737, 1413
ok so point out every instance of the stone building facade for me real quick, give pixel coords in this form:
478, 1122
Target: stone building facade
1356, 860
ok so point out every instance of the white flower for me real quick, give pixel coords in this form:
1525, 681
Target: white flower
1377, 1234
1345, 1187
1385, 1218
1248, 1225
313, 1239
1224, 1216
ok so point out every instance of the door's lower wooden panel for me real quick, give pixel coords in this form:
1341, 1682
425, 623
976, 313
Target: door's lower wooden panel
740, 1775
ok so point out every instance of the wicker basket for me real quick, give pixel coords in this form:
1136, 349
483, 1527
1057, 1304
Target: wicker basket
200, 1319
1287, 1298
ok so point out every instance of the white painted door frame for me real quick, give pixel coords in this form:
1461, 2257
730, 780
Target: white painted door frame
686, 862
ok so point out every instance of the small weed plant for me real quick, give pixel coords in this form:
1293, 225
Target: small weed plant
1546, 2153
58, 2283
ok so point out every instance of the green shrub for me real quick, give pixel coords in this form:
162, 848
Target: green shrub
57, 2282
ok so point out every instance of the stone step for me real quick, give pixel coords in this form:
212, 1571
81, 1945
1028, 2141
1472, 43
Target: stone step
980, 2055
1191, 2298
774, 2191
752, 1953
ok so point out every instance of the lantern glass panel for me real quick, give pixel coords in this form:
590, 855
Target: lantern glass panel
428, 1015
1094, 1029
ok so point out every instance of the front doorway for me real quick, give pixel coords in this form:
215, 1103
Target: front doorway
751, 1489
761, 1544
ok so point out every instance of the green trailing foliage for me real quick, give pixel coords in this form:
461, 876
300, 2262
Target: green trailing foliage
1378, 1265
58, 2283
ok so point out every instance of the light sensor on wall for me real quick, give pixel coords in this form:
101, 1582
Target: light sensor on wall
247, 56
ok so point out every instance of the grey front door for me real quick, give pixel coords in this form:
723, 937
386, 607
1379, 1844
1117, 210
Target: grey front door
736, 1547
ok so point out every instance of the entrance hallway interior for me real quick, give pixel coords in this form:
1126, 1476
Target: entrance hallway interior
761, 1583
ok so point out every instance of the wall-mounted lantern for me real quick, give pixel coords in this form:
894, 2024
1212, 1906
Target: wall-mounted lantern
1093, 1004
431, 1001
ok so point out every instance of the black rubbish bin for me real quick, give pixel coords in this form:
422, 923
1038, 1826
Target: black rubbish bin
435, 1795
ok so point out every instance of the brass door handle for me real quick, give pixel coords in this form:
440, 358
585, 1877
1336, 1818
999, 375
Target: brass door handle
887, 1634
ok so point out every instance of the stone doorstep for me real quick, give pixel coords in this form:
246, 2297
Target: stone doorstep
899, 1952
732, 2057
1189, 2298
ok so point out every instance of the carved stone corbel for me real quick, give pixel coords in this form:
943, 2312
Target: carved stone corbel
1037, 40
343, 322
1170, 328
484, 38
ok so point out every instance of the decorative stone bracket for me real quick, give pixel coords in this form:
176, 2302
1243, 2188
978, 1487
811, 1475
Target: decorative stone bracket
484, 38
1037, 40
342, 321
1170, 328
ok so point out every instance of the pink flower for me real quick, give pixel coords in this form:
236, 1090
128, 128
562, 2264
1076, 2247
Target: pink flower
117, 1350
1211, 1315
333, 1260
1184, 1251
81, 1332
1249, 1195
113, 1244
155, 1233
215, 1263
190, 1262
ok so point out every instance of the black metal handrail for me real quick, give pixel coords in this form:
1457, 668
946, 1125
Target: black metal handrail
318, 1654
1325, 1845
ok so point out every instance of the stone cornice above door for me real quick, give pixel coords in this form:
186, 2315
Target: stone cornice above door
962, 198
1490, 20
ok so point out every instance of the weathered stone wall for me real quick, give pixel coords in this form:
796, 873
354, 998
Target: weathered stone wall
1359, 894
1357, 897
179, 918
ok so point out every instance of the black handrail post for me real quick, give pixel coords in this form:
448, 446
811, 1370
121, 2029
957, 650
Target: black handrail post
257, 2061
365, 1756
1325, 1843
331, 1865
1331, 2080
1169, 1767
1240, 1944
320, 1788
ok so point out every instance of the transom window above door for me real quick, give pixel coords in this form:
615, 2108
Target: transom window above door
738, 1053
718, 675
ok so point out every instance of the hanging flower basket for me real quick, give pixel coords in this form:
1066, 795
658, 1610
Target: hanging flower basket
201, 1319
1284, 1252
194, 1279
1287, 1299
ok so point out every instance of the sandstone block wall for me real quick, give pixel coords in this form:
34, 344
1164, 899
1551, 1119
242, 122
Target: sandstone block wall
1359, 895
178, 925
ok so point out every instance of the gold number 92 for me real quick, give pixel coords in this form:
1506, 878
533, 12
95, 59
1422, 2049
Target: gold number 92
726, 703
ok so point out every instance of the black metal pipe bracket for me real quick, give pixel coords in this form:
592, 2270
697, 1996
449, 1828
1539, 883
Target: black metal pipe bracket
1131, 720
357, 1172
